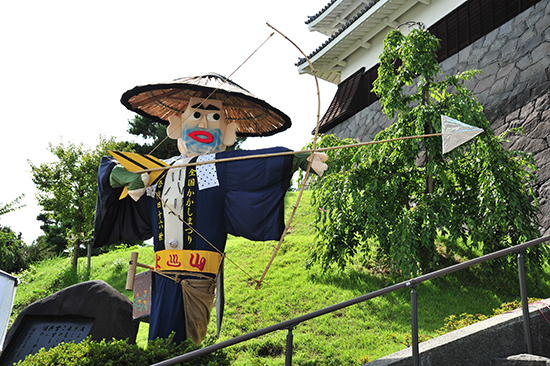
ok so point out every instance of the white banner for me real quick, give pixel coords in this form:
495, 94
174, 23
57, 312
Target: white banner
8, 285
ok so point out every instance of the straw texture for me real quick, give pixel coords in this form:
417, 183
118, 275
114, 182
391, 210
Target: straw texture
253, 116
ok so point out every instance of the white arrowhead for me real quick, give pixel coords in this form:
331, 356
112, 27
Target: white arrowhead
455, 133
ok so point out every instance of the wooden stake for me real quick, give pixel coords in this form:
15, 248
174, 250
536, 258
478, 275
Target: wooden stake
132, 270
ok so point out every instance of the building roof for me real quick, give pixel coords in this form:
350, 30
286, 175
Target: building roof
336, 14
347, 101
351, 25
312, 18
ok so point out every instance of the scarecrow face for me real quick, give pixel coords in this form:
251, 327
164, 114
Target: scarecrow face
202, 128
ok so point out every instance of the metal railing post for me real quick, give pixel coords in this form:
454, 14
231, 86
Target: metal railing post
524, 302
289, 339
414, 323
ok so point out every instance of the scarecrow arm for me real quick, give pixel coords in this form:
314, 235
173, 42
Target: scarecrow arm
136, 183
116, 220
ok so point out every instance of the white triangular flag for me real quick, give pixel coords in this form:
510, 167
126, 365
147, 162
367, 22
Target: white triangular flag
455, 133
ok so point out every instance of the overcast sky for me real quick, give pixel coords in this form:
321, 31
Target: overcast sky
65, 65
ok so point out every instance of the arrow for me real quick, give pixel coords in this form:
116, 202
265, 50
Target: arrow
455, 133
235, 158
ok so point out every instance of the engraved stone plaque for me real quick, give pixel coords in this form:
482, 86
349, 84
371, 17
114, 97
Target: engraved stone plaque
44, 332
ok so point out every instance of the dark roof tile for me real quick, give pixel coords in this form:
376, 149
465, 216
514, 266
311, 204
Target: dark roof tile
313, 17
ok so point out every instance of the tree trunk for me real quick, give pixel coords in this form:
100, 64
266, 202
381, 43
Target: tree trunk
75, 254
428, 130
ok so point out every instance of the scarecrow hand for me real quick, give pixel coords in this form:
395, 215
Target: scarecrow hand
136, 183
137, 193
317, 162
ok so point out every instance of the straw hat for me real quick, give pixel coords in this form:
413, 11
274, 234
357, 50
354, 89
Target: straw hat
253, 116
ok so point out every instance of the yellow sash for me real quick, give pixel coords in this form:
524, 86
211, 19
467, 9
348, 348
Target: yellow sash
201, 261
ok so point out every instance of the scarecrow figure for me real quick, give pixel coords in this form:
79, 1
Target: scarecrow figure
189, 210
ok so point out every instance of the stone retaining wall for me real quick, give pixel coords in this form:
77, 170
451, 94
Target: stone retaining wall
482, 343
513, 89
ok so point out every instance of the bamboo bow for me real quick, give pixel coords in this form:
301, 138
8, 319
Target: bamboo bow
259, 282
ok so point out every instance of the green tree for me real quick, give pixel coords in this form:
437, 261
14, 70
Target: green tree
164, 147
68, 186
12, 251
12, 248
405, 193
54, 235
12, 206
237, 145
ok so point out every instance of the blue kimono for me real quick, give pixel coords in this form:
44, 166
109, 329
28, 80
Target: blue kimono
189, 218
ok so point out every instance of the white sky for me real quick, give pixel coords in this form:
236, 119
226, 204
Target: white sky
65, 64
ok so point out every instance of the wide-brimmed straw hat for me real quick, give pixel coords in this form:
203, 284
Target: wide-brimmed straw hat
253, 116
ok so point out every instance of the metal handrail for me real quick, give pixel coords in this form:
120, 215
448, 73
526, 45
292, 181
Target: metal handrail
412, 283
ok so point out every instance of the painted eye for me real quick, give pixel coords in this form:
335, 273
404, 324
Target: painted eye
213, 117
195, 116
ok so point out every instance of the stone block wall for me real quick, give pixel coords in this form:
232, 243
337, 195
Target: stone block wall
514, 89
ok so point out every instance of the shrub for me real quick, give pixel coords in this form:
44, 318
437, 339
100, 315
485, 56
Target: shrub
120, 353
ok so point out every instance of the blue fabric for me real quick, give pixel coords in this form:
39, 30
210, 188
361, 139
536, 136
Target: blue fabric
248, 202
166, 310
119, 220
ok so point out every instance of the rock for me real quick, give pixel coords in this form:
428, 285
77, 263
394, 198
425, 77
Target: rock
111, 310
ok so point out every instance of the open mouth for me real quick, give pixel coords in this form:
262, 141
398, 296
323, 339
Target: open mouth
202, 136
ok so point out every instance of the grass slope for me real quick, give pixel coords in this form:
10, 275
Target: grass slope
351, 336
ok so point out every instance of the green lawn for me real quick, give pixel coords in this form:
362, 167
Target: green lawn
360, 333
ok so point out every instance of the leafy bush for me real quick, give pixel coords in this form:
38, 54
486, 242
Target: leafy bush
120, 353
453, 322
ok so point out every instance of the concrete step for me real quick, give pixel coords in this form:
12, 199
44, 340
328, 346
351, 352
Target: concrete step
521, 360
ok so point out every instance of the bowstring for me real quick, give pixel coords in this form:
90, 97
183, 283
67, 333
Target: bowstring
224, 255
181, 123
219, 86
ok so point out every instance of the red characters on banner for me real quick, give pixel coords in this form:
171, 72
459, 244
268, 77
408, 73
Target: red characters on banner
173, 261
199, 262
187, 260
157, 259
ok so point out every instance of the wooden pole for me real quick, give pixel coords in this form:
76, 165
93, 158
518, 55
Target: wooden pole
132, 270
89, 256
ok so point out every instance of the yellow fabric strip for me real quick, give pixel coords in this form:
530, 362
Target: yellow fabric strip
201, 261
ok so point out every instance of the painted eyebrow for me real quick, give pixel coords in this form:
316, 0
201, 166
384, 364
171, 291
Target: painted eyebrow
211, 107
